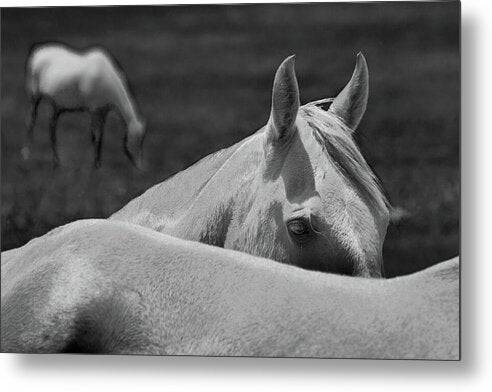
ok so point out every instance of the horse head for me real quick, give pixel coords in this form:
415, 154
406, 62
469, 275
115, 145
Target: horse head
314, 202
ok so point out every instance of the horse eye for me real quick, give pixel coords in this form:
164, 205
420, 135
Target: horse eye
298, 227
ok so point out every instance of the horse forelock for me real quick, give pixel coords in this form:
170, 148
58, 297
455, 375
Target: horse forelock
336, 140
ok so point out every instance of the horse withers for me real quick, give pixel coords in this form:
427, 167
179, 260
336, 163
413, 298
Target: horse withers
100, 286
297, 191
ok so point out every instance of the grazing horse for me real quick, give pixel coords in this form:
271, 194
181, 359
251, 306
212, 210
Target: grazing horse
101, 286
297, 191
89, 81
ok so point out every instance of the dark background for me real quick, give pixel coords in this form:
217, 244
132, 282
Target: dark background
202, 78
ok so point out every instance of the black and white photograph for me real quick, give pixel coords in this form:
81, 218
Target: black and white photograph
232, 180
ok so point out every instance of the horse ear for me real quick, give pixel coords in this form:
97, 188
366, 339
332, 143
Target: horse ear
285, 101
351, 103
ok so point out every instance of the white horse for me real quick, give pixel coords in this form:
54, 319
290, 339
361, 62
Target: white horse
102, 286
89, 81
297, 191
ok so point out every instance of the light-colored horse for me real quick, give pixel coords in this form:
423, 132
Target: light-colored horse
89, 81
102, 286
297, 191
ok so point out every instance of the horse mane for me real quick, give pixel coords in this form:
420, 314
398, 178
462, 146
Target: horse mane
338, 143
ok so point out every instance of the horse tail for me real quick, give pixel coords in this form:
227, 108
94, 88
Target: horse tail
32, 74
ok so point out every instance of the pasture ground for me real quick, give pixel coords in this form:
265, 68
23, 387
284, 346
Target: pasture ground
202, 77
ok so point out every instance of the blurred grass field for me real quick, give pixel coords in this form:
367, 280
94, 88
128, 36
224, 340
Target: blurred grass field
202, 77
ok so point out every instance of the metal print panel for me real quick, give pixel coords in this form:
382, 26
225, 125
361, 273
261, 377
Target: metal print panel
232, 180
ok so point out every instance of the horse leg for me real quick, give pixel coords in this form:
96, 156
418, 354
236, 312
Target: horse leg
26, 150
94, 128
54, 147
97, 128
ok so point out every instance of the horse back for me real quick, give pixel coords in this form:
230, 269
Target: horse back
102, 286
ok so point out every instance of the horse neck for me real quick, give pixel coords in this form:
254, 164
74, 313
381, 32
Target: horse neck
125, 104
191, 201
